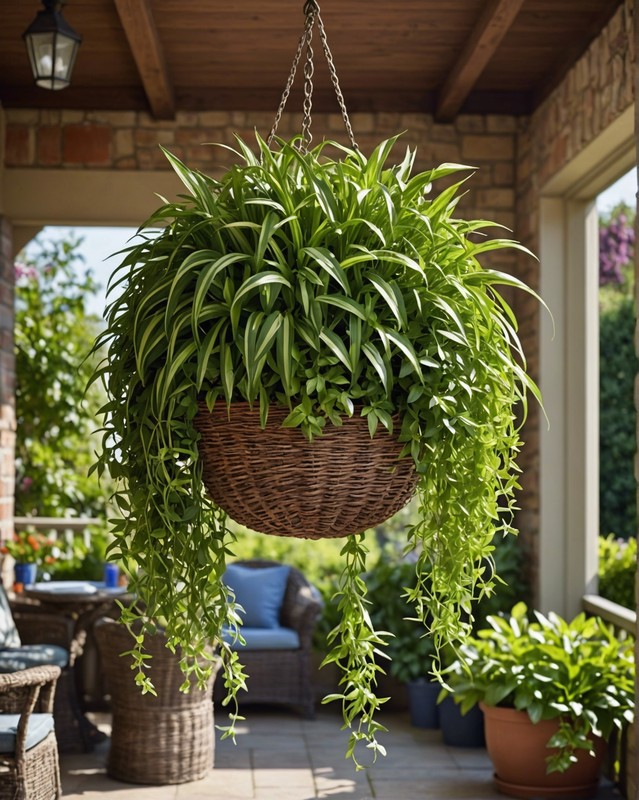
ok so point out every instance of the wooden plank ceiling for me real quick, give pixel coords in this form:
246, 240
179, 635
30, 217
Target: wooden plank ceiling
439, 56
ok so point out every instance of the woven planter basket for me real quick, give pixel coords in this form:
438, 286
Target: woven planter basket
275, 481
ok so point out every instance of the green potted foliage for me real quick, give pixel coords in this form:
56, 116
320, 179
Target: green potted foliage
314, 295
467, 730
552, 693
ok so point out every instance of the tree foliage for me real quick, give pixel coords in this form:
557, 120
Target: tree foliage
618, 367
55, 420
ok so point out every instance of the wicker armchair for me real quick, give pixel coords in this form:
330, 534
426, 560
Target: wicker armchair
28, 771
163, 739
41, 638
284, 676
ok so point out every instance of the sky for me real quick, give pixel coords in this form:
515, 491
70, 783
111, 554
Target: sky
99, 243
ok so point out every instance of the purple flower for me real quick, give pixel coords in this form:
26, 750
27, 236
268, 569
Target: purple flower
616, 249
25, 271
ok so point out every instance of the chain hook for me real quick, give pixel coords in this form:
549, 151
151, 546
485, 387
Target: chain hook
312, 13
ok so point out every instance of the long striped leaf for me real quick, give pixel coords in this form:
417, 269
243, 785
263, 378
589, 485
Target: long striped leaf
355, 347
284, 355
374, 356
144, 343
228, 375
267, 334
337, 346
206, 349
250, 362
386, 292
407, 349
255, 281
327, 261
345, 303
182, 277
450, 311
206, 278
170, 370
267, 229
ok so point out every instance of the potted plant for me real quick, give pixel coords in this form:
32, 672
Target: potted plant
30, 550
300, 297
552, 693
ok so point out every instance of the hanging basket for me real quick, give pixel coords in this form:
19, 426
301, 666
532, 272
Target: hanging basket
274, 480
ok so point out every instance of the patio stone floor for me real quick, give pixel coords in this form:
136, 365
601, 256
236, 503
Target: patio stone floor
280, 756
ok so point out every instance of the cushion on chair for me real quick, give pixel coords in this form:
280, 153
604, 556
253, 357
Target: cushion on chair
265, 639
260, 591
40, 726
13, 659
9, 636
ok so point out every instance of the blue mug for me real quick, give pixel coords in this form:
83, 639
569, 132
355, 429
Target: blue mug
111, 575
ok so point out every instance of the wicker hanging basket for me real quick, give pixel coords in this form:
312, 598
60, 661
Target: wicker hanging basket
274, 481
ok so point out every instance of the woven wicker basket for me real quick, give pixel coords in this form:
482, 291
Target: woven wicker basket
275, 481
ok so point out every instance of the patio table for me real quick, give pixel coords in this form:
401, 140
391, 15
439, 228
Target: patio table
83, 602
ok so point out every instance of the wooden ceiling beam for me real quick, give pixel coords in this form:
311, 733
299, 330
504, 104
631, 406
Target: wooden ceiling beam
485, 38
144, 42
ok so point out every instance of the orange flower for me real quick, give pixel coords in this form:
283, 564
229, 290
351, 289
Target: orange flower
34, 543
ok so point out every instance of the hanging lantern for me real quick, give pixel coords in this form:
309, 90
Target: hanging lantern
52, 45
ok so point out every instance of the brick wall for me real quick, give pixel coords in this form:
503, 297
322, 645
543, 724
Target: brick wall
130, 141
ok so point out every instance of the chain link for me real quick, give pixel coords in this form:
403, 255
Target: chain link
309, 69
312, 13
335, 82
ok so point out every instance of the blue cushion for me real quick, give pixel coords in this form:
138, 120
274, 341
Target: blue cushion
265, 639
40, 726
260, 592
9, 636
13, 659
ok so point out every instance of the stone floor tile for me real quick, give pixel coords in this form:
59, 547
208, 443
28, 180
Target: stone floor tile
285, 759
283, 793
281, 757
469, 758
286, 778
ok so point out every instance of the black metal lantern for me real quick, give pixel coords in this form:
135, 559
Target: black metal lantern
52, 45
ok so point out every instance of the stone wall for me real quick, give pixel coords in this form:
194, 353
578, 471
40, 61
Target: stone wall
594, 93
103, 140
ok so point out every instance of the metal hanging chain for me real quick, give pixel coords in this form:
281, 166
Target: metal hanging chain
312, 13
335, 81
309, 69
289, 83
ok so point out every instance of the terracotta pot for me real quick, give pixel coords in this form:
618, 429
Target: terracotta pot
518, 751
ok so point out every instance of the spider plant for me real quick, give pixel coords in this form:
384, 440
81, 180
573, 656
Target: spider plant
330, 287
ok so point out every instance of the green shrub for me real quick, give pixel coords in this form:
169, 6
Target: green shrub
56, 415
576, 672
617, 569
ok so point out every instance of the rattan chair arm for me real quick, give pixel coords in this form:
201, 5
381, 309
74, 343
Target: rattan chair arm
19, 693
15, 687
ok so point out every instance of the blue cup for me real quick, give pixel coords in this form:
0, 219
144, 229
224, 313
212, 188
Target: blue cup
111, 575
